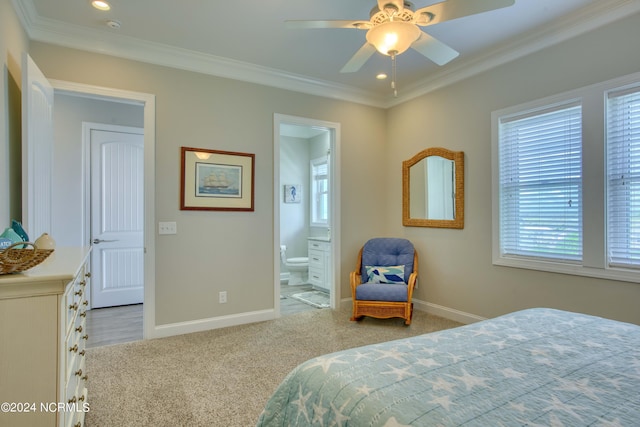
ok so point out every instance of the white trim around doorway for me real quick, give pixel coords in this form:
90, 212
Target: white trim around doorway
148, 102
334, 128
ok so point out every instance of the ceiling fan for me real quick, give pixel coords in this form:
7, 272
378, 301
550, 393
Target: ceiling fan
393, 27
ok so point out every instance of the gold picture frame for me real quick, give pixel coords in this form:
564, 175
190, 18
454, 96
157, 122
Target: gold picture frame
213, 180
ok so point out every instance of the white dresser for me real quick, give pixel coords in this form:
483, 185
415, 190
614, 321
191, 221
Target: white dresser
320, 263
42, 342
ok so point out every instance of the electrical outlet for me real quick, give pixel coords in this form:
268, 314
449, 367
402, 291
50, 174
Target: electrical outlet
222, 297
167, 228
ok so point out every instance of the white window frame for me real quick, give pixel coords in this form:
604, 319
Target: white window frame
314, 220
594, 261
623, 180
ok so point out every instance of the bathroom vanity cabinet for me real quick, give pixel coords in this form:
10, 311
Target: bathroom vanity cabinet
320, 264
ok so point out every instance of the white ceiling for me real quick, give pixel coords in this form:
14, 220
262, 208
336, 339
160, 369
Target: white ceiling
248, 40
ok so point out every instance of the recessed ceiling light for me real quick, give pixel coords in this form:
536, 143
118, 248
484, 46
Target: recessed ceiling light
381, 76
101, 5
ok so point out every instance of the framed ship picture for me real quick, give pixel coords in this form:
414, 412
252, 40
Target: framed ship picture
216, 180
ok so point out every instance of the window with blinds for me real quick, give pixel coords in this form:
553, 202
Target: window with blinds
320, 191
540, 184
623, 178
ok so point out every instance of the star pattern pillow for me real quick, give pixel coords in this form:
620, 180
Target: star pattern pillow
387, 274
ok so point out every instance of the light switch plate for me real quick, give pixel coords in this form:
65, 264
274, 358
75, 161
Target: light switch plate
167, 228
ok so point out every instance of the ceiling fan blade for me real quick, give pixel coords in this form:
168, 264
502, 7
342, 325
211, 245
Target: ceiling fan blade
297, 24
434, 49
454, 9
357, 61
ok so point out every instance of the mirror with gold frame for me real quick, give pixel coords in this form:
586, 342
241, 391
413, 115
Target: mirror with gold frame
433, 189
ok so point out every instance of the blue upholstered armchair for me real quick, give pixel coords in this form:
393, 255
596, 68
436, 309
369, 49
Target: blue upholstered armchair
383, 282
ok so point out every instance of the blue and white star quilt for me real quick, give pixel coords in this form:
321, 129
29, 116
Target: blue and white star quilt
536, 367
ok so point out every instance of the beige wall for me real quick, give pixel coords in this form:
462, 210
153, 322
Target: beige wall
13, 41
456, 269
215, 251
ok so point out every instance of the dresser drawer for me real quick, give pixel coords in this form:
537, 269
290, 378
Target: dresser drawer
70, 309
76, 419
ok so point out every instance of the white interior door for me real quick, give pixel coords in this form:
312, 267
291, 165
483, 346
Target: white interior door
37, 149
117, 216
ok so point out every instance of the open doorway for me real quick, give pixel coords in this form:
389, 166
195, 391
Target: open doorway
306, 219
93, 110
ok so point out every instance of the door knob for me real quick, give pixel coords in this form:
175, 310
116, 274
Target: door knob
96, 241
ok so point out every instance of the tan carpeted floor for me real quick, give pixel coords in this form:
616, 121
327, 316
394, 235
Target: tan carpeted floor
225, 376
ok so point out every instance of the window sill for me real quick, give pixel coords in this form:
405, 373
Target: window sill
620, 274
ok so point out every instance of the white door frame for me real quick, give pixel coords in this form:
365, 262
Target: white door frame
334, 183
148, 102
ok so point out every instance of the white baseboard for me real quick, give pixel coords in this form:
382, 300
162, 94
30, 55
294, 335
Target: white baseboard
435, 309
446, 312
180, 328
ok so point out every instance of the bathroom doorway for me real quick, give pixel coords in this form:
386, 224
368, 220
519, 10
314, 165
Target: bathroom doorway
306, 214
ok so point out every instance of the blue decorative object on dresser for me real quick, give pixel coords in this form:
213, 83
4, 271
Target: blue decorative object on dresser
17, 227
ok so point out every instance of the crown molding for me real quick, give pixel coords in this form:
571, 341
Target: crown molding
50, 31
77, 37
596, 15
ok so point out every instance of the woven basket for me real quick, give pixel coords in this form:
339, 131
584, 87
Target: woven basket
17, 257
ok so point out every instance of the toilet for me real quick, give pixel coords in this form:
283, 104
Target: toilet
298, 267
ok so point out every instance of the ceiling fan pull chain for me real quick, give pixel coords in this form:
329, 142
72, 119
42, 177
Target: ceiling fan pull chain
393, 74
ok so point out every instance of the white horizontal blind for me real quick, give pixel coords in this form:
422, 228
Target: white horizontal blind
540, 179
623, 178
320, 190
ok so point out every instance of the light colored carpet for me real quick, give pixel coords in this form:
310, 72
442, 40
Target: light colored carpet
317, 299
223, 377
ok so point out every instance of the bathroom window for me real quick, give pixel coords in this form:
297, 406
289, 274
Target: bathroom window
320, 191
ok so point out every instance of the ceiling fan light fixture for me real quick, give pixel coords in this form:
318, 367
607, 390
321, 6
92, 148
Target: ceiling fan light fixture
393, 36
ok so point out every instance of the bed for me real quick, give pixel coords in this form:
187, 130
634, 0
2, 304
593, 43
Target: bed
535, 367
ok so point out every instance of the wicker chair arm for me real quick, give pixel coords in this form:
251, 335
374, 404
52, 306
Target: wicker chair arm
355, 279
413, 279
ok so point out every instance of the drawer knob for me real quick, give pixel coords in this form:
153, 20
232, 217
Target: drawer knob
79, 328
73, 306
86, 377
88, 274
79, 373
74, 349
81, 398
73, 400
78, 424
85, 303
82, 353
79, 293
82, 282
85, 337
83, 314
